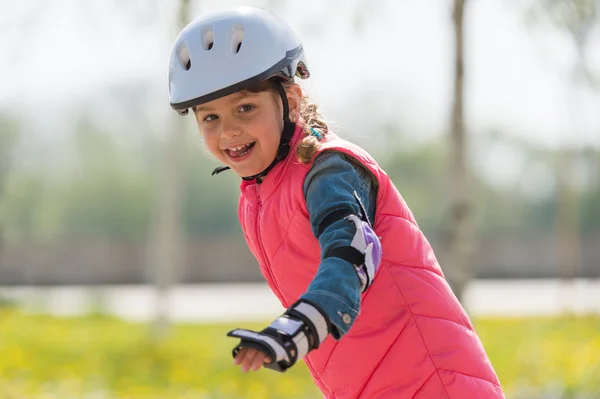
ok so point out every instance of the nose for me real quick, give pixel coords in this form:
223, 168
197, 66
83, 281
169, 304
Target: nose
230, 130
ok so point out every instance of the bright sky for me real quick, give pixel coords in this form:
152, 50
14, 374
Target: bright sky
56, 53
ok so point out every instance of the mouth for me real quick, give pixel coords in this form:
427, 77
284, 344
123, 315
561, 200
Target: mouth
239, 153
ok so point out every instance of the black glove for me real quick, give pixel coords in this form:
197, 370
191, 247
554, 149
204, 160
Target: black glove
302, 328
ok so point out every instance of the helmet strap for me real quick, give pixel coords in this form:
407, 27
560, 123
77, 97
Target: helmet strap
284, 144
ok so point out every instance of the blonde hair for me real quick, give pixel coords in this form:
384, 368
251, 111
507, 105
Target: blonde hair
310, 117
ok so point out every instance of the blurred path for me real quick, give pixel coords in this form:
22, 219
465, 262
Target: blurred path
249, 302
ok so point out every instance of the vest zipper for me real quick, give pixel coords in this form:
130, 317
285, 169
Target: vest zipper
272, 277
262, 249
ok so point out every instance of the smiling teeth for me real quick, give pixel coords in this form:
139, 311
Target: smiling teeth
239, 148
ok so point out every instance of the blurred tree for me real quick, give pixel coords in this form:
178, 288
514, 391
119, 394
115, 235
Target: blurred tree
106, 198
576, 18
521, 203
209, 202
166, 246
458, 235
419, 175
590, 197
9, 133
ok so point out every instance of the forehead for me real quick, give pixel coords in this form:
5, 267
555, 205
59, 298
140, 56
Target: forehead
226, 101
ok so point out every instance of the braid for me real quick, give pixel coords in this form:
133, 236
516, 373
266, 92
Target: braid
312, 120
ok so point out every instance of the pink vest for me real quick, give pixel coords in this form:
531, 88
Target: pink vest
412, 338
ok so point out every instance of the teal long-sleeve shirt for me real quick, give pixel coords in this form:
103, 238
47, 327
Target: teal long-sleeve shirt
329, 189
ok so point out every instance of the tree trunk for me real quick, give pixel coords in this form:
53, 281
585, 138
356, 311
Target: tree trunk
568, 236
567, 223
166, 243
458, 242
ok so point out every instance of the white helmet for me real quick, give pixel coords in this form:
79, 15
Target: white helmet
223, 52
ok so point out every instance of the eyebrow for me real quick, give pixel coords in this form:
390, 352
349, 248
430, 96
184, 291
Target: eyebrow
236, 97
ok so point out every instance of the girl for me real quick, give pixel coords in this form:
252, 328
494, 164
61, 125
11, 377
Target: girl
368, 308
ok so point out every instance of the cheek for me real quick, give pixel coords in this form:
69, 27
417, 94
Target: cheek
270, 138
211, 142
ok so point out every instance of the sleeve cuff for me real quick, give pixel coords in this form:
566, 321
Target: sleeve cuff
341, 315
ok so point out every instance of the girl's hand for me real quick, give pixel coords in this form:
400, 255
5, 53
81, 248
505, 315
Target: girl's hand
251, 359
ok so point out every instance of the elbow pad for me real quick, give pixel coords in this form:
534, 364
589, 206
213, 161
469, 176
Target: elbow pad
364, 252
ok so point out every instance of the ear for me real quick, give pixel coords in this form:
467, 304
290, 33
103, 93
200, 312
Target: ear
294, 95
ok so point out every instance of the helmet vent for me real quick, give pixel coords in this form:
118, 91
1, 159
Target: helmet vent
184, 57
236, 39
208, 39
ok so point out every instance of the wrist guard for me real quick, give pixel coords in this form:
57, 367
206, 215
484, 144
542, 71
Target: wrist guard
302, 328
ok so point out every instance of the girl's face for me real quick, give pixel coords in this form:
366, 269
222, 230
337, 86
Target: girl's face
243, 130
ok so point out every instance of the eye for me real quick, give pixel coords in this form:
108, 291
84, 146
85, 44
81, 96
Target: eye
210, 118
246, 108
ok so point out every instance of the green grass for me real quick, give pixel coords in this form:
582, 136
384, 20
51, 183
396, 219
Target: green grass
104, 358
547, 356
